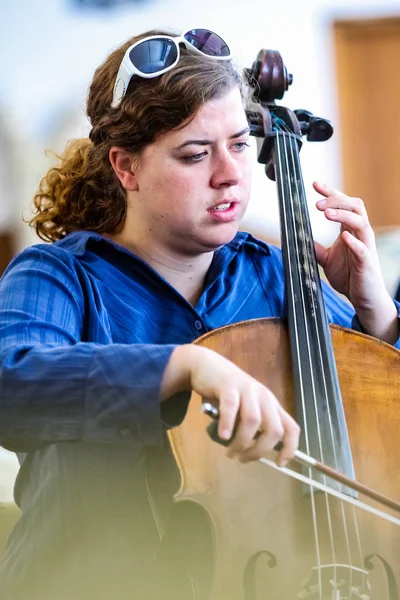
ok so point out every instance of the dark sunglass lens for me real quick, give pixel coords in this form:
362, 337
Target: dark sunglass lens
207, 42
155, 55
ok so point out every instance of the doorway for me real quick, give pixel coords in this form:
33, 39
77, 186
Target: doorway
368, 78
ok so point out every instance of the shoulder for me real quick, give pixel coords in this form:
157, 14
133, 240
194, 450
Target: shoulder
44, 270
42, 257
62, 255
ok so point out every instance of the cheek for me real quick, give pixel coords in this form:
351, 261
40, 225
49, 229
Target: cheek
179, 190
248, 177
248, 166
247, 171
173, 199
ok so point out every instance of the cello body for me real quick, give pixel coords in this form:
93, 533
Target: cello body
248, 529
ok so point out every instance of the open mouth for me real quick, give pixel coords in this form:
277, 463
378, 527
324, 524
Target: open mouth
225, 211
223, 206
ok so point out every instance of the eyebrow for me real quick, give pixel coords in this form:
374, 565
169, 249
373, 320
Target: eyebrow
206, 142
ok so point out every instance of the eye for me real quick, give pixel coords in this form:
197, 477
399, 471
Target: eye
194, 157
241, 146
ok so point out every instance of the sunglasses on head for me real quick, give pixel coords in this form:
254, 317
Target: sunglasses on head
154, 55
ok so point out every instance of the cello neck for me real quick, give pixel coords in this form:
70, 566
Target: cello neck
318, 400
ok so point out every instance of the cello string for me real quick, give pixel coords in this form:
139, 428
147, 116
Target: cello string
360, 549
327, 498
290, 282
342, 506
302, 282
308, 272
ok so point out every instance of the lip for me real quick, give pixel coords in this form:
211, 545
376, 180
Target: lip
224, 201
224, 216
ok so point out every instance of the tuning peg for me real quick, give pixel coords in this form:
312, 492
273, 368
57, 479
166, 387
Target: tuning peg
319, 130
303, 115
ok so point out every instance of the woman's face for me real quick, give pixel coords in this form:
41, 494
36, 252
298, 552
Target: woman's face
193, 185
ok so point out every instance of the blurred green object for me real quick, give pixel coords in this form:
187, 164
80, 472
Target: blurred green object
9, 514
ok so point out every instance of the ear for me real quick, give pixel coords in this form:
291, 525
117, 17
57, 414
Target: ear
125, 168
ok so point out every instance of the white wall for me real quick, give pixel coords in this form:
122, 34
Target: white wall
48, 55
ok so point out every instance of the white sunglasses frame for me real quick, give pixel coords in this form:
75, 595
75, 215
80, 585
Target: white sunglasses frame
127, 69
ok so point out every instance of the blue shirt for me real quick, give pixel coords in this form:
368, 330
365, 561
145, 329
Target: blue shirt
87, 329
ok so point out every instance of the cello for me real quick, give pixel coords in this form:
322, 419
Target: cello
254, 532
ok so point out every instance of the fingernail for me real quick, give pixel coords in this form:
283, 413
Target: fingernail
332, 212
225, 434
322, 203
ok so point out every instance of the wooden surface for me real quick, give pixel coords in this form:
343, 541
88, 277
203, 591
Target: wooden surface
367, 74
255, 512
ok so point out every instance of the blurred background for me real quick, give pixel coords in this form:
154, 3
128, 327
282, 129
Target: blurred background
345, 59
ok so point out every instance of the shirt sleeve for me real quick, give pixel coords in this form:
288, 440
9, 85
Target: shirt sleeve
55, 387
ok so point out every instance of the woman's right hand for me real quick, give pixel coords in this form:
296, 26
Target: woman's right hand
242, 401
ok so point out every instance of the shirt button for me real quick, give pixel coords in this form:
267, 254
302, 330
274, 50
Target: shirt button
125, 432
199, 325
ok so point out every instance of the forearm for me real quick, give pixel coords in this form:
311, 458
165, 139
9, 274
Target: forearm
176, 376
381, 321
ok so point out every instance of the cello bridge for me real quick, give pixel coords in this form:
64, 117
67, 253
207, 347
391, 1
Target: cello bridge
336, 582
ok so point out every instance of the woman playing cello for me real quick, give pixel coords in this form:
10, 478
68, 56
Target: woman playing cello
96, 327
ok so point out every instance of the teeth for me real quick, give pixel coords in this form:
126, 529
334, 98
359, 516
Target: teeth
223, 206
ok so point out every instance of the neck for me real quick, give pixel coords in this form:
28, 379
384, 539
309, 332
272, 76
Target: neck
184, 272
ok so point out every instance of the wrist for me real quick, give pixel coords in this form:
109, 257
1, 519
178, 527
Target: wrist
381, 321
177, 373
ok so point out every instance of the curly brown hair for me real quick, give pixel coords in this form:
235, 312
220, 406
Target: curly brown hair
83, 191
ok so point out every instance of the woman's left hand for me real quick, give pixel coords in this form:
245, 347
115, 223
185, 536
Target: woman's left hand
351, 264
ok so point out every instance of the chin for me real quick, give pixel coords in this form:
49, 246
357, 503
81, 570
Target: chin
220, 238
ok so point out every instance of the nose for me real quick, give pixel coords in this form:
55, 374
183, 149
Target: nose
227, 170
